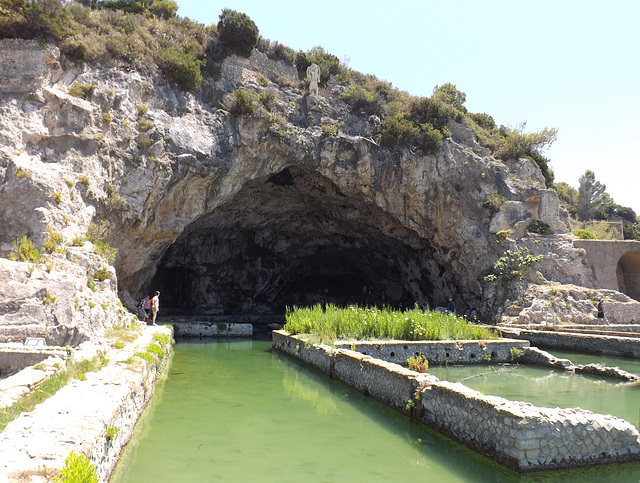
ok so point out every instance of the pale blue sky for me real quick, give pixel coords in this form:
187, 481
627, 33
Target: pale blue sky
569, 64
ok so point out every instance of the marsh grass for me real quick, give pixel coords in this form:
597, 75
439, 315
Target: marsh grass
365, 323
74, 370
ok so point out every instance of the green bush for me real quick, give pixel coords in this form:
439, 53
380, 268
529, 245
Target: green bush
418, 363
237, 32
269, 99
157, 350
484, 120
53, 241
397, 130
495, 202
165, 9
510, 266
430, 139
105, 250
181, 68
25, 251
363, 102
83, 91
101, 274
242, 103
539, 226
584, 234
77, 469
74, 49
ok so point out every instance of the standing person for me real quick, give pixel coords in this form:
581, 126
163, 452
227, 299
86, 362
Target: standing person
602, 319
155, 306
143, 305
451, 306
147, 307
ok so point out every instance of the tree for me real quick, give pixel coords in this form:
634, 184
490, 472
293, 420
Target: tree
449, 94
591, 195
238, 33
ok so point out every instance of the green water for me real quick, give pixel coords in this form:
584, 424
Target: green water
554, 388
236, 411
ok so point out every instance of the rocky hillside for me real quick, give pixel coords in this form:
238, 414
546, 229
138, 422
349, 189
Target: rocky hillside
227, 208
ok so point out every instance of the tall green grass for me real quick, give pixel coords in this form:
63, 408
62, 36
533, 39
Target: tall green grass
364, 323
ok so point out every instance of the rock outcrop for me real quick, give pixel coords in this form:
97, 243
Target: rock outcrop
242, 214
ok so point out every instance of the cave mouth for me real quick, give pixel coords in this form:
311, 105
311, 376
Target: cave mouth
293, 239
628, 274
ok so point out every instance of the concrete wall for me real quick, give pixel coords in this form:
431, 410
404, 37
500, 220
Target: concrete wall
516, 434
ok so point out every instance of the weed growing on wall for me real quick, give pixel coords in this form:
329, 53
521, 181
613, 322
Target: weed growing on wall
77, 468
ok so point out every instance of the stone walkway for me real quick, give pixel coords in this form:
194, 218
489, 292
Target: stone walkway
76, 418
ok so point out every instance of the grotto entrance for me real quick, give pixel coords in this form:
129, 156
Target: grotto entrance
628, 274
292, 239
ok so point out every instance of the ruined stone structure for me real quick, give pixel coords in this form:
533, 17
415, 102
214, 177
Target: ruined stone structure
615, 264
516, 434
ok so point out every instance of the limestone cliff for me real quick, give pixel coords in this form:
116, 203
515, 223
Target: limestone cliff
229, 213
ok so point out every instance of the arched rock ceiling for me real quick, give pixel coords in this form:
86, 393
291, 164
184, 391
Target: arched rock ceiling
293, 238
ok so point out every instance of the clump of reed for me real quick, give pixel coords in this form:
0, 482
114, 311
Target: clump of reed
366, 323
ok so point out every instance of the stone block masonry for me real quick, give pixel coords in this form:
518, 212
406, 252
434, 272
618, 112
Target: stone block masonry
516, 434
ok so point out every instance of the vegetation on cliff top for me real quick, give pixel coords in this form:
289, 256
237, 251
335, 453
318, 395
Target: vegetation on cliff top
147, 35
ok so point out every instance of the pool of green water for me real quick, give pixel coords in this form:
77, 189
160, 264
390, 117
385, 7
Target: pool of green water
554, 388
238, 411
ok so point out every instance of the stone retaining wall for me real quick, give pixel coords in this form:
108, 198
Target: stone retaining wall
594, 344
14, 360
516, 434
76, 418
208, 329
448, 352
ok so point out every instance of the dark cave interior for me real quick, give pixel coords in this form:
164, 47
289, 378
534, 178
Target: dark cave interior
293, 239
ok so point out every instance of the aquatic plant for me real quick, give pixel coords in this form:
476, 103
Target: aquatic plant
364, 323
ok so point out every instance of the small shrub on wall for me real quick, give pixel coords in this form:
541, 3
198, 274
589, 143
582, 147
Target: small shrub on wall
584, 234
242, 103
540, 227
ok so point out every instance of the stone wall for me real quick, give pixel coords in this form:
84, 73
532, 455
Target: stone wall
24, 65
242, 71
594, 344
527, 438
14, 360
449, 352
516, 434
218, 329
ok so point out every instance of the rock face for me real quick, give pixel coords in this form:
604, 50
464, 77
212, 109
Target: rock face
244, 214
